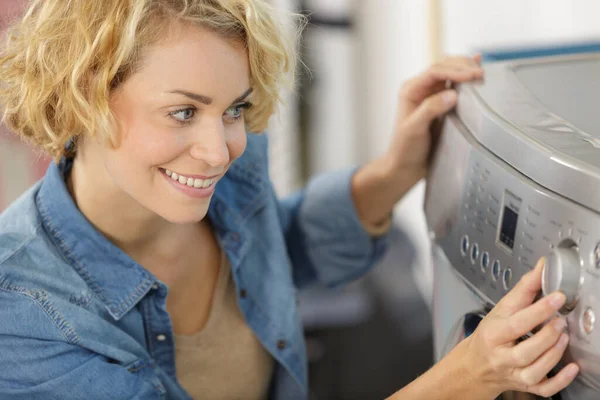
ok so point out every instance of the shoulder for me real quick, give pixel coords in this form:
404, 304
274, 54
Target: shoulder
19, 225
31, 266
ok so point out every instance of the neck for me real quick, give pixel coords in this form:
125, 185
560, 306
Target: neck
139, 232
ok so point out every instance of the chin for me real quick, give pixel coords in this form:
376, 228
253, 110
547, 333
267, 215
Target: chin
184, 216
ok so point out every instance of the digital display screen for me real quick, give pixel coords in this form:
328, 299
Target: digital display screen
509, 218
508, 227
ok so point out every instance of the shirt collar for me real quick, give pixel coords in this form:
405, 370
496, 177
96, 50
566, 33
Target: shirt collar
115, 278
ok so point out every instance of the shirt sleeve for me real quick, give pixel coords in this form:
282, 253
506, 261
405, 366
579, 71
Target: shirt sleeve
327, 243
38, 363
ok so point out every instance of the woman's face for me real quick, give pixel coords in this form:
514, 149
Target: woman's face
181, 123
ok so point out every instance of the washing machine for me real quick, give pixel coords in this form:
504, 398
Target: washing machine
516, 176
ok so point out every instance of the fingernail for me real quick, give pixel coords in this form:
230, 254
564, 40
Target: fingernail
572, 370
541, 262
562, 342
449, 97
559, 325
557, 300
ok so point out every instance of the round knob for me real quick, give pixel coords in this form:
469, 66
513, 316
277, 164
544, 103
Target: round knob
562, 272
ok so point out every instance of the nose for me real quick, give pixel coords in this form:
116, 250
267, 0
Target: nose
210, 145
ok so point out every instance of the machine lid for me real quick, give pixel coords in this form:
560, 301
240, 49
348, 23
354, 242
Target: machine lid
541, 116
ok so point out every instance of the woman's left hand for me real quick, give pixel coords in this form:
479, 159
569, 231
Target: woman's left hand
379, 185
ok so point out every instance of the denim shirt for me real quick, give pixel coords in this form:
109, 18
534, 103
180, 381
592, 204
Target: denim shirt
79, 319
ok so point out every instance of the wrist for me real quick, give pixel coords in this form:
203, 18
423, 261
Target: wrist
466, 362
372, 187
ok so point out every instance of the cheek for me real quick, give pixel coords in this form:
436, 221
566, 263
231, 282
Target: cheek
237, 144
147, 147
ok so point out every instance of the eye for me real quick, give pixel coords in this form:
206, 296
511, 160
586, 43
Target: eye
234, 113
183, 115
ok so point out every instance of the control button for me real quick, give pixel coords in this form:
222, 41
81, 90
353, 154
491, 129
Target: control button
597, 257
464, 245
562, 272
496, 270
485, 261
587, 321
474, 253
507, 279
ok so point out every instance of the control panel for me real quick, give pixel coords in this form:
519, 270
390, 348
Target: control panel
493, 224
506, 224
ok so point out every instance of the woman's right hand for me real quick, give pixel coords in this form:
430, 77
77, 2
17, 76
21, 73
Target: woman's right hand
499, 360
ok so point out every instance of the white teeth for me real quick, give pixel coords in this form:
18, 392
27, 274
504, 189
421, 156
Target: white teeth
191, 182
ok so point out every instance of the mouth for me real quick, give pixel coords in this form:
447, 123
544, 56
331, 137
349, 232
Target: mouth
190, 181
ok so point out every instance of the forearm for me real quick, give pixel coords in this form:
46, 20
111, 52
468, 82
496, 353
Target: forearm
450, 379
377, 187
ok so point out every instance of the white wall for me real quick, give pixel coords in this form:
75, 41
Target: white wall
472, 24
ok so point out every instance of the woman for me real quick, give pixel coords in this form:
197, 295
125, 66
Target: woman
154, 260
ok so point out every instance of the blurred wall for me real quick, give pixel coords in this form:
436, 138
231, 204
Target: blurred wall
395, 44
20, 167
284, 155
473, 24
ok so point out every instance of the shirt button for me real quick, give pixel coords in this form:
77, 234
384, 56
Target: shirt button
235, 237
243, 293
281, 344
161, 338
155, 286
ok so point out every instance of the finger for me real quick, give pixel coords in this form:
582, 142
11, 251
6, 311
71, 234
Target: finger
523, 294
526, 320
532, 348
420, 87
433, 107
469, 63
534, 373
432, 81
549, 387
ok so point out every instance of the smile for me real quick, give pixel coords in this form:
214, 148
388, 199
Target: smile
190, 182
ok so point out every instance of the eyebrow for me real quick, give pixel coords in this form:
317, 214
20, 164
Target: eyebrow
205, 99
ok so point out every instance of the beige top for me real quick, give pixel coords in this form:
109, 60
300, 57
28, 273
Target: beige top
224, 360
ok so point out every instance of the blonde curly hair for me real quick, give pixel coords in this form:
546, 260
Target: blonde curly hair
62, 59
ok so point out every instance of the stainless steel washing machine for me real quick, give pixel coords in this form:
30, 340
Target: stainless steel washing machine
516, 176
